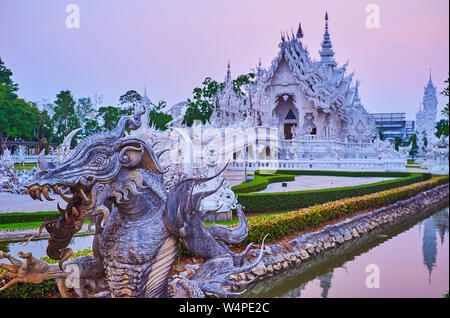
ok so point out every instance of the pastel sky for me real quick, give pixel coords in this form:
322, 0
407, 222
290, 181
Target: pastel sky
171, 46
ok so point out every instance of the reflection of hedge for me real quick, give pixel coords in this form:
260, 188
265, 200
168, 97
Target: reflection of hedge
261, 182
285, 201
21, 217
278, 225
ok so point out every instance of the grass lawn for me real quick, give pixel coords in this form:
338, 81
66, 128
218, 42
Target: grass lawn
26, 166
20, 226
26, 225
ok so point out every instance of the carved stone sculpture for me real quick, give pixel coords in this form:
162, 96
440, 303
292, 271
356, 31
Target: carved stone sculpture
117, 183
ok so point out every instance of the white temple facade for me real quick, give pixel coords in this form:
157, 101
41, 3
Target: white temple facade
426, 116
313, 105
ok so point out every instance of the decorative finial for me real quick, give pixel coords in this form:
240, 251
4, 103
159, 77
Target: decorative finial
327, 53
228, 70
300, 31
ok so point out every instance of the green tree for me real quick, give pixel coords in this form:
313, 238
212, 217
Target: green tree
18, 118
6, 81
157, 118
412, 142
204, 99
64, 118
445, 92
85, 113
242, 83
442, 128
202, 104
110, 115
130, 98
398, 143
83, 108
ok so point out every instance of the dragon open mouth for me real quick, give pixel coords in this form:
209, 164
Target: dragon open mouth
78, 198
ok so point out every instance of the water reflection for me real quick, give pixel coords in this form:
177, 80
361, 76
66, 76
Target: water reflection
325, 283
407, 255
435, 226
38, 247
429, 246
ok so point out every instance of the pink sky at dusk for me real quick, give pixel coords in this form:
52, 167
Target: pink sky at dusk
171, 46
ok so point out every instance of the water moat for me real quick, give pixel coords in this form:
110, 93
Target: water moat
412, 259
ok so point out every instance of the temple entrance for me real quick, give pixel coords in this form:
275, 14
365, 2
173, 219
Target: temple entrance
287, 115
288, 131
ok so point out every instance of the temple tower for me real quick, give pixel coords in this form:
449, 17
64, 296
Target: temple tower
327, 54
426, 117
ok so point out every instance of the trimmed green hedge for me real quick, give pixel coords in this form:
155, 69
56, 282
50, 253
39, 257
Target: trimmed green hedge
288, 201
278, 225
261, 182
21, 217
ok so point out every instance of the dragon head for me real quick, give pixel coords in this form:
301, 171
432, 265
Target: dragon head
84, 178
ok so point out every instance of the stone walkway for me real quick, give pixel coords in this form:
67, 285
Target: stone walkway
24, 203
320, 182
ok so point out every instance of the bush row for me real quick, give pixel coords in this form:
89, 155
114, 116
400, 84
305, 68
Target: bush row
260, 182
279, 225
21, 217
288, 201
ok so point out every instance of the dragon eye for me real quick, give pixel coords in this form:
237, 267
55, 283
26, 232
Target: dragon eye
99, 160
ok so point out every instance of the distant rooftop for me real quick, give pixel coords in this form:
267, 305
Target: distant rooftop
389, 116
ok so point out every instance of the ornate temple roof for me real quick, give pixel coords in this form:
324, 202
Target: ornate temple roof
322, 82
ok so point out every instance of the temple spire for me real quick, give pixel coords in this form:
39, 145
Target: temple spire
228, 72
327, 54
299, 31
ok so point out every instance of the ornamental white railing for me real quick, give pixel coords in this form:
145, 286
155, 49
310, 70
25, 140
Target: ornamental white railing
28, 158
343, 165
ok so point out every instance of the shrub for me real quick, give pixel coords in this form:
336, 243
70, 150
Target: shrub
287, 201
45, 289
21, 217
261, 182
281, 224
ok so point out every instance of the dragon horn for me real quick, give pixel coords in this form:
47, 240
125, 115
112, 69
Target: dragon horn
68, 140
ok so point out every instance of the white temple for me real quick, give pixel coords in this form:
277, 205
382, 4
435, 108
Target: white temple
315, 108
426, 116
